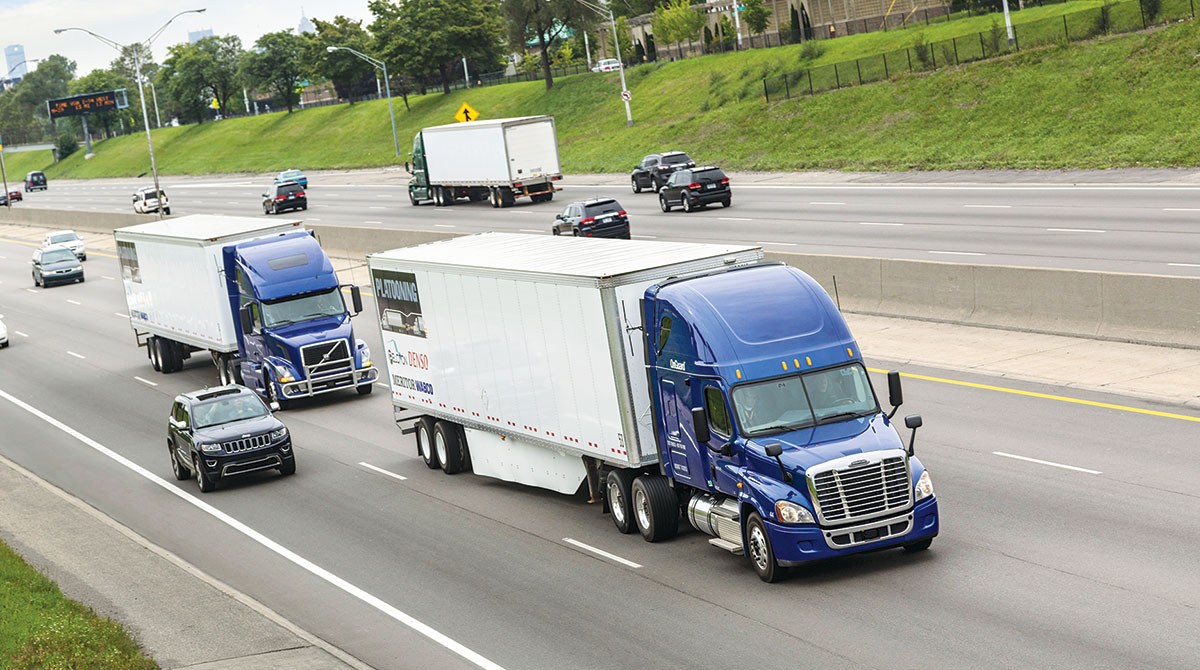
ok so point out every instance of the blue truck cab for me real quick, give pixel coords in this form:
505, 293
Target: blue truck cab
767, 425
293, 326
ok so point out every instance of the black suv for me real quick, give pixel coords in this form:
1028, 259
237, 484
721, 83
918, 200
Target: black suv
653, 171
35, 181
695, 188
225, 431
601, 217
284, 196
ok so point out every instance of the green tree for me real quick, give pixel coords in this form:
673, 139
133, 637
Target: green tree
274, 65
678, 22
625, 36
543, 22
350, 75
794, 26
221, 67
756, 15
97, 81
429, 37
725, 24
49, 81
181, 80
124, 65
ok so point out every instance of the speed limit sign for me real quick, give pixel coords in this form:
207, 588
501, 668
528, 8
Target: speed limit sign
626, 96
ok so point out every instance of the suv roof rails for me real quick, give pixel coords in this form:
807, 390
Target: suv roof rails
217, 393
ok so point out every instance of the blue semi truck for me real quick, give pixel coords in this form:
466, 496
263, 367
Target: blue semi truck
678, 381
261, 297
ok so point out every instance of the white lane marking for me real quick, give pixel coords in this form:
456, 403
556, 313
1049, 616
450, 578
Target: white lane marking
826, 203
601, 552
376, 207
384, 196
372, 222
732, 218
74, 302
3, 258
1074, 230
530, 230
146, 381
382, 386
123, 316
990, 206
20, 333
333, 195
80, 356
779, 244
1181, 209
284, 552
382, 471
646, 237
517, 211
1185, 265
878, 223
443, 225
313, 218
1041, 462
943, 187
958, 253
108, 278
31, 290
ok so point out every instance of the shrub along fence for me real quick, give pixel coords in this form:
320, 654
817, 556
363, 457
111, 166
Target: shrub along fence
1110, 18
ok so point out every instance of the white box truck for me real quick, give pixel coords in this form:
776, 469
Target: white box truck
497, 159
695, 380
260, 296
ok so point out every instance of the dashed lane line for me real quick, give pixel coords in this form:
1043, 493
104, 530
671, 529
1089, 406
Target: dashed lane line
382, 471
146, 381
601, 552
1050, 463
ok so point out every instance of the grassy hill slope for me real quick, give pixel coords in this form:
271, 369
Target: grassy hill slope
1123, 101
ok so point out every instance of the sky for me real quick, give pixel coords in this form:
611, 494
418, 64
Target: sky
31, 23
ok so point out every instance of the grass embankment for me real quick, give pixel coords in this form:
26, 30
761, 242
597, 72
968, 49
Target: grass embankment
17, 165
1124, 101
41, 629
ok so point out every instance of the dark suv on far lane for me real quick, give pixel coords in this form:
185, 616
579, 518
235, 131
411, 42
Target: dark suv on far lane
284, 196
654, 170
601, 217
225, 431
695, 188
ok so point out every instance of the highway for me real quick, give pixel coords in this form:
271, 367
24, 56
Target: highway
1140, 228
1083, 557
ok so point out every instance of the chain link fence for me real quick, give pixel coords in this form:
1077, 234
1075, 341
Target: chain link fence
1108, 19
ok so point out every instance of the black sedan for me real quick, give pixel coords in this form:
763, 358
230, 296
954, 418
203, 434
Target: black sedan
223, 432
695, 188
601, 217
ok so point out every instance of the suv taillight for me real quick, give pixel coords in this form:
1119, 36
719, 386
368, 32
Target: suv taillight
590, 219
725, 180
621, 213
694, 185
301, 193
281, 197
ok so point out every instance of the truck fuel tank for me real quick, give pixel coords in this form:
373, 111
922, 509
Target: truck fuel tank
718, 516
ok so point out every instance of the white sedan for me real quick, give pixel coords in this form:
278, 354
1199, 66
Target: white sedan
607, 65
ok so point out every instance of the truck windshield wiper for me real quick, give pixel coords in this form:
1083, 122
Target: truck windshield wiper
779, 426
842, 416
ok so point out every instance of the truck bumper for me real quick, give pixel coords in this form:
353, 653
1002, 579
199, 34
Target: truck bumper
304, 388
794, 545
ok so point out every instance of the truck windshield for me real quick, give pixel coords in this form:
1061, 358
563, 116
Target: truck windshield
227, 410
801, 401
303, 308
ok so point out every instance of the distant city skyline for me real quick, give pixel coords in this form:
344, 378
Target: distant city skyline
14, 62
197, 35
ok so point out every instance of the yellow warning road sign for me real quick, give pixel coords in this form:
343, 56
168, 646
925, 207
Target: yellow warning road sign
466, 113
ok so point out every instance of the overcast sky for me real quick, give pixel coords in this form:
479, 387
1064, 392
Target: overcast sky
31, 23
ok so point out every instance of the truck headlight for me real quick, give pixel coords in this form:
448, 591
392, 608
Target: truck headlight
924, 486
789, 512
214, 448
282, 374
277, 435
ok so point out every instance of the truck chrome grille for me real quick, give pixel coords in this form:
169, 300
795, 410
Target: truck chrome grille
862, 490
326, 358
246, 444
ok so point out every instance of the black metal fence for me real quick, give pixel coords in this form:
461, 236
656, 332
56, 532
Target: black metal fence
1108, 19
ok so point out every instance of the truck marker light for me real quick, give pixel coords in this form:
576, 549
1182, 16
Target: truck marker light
784, 363
808, 360
739, 373
849, 353
797, 362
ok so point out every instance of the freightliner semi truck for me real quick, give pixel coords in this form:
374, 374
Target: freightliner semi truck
261, 297
692, 380
498, 160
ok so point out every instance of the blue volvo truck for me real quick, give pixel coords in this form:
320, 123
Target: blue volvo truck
676, 381
261, 297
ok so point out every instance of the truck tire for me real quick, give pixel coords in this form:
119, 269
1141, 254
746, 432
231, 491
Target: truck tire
618, 491
448, 443
506, 197
425, 443
919, 545
284, 403
412, 198
655, 508
760, 551
152, 353
494, 197
163, 350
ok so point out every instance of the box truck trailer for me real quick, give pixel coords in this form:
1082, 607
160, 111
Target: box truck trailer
499, 160
261, 297
694, 380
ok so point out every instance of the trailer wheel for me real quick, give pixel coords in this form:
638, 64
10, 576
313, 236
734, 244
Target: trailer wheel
760, 551
618, 489
655, 508
448, 443
425, 443
162, 351
152, 353
493, 197
506, 197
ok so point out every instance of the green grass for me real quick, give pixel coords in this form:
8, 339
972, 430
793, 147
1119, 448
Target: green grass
16, 165
1122, 101
41, 629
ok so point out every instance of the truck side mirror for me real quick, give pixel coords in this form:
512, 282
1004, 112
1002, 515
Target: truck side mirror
356, 299
244, 317
774, 451
895, 392
700, 425
914, 422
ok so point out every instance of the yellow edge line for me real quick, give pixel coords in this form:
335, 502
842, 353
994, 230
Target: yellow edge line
35, 244
1047, 396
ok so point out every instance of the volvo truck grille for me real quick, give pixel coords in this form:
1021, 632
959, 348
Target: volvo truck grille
861, 487
326, 357
246, 444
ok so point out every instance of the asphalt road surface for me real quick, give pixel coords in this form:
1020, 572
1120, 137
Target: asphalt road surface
1137, 228
1082, 558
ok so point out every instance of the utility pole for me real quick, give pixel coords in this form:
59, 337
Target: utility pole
737, 21
157, 118
466, 75
137, 63
387, 85
1007, 22
620, 68
587, 49
4, 175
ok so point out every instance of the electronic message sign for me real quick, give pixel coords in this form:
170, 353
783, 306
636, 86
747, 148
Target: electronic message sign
84, 104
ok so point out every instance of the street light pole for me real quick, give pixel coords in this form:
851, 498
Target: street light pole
617, 45
4, 175
387, 85
157, 118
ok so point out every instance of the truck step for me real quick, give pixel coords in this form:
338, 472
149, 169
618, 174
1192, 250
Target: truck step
735, 549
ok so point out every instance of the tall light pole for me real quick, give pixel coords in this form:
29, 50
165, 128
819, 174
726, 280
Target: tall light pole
387, 85
137, 65
27, 60
607, 9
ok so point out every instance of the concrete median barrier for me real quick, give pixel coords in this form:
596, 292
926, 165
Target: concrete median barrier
1146, 309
